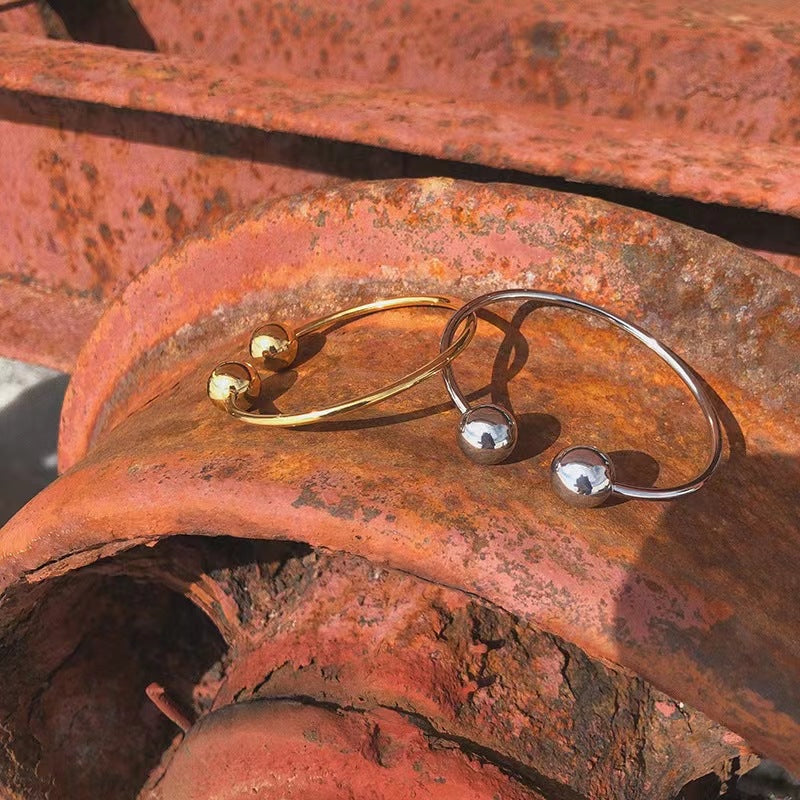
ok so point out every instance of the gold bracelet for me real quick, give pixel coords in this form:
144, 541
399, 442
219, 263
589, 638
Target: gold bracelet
234, 383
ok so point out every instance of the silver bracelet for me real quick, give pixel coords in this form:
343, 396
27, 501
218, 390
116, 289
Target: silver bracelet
581, 475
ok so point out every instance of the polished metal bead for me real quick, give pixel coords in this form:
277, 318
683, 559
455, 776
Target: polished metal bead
231, 381
276, 344
487, 434
582, 476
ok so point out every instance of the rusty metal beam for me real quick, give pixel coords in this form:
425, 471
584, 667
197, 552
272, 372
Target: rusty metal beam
549, 142
92, 194
726, 69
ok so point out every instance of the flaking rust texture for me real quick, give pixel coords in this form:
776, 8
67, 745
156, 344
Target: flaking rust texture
337, 678
471, 637
758, 174
666, 591
296, 751
93, 194
24, 18
566, 721
307, 254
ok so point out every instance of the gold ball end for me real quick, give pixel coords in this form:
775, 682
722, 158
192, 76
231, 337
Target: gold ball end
231, 381
276, 344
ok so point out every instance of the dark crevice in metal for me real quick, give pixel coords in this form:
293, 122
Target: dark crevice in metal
10, 6
761, 230
73, 694
107, 22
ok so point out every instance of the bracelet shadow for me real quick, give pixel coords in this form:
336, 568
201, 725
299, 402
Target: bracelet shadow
537, 432
516, 352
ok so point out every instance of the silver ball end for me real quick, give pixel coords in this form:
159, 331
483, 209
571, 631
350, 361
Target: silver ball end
487, 434
582, 476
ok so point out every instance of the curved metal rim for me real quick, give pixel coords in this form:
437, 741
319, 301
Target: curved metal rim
427, 370
683, 370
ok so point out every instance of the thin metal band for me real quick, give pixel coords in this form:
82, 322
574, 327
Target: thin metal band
678, 364
426, 371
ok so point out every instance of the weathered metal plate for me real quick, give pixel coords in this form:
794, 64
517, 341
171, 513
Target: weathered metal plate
725, 68
21, 17
668, 591
93, 194
261, 750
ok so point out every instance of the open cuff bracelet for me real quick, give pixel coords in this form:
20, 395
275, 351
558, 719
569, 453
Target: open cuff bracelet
581, 475
235, 386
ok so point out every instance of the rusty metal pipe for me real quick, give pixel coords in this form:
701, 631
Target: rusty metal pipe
650, 590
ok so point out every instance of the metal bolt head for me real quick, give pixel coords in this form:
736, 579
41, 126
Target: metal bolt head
487, 434
231, 381
276, 344
582, 476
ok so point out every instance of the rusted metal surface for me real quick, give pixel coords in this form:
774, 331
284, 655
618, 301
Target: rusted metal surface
119, 188
24, 306
664, 590
550, 142
113, 156
76, 721
473, 674
728, 68
21, 17
92, 194
298, 751
385, 232
164, 703
337, 675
